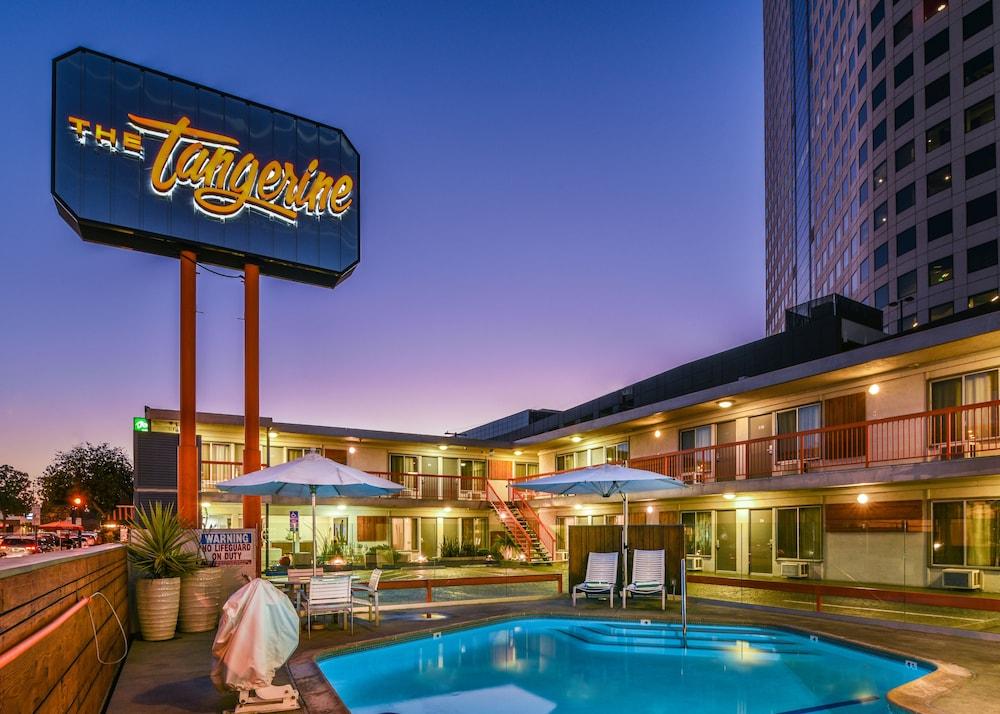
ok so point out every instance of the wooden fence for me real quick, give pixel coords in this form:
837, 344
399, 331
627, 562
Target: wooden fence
607, 539
48, 662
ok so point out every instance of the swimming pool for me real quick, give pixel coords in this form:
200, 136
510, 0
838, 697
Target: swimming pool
542, 665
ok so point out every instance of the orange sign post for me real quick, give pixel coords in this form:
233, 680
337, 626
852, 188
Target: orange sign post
251, 393
187, 449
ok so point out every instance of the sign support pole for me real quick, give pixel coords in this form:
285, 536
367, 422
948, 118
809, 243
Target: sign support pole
187, 450
251, 393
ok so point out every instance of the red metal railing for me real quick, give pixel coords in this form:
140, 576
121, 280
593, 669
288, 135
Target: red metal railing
544, 533
937, 435
436, 486
520, 535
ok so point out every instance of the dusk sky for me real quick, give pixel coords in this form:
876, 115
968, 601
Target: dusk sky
559, 199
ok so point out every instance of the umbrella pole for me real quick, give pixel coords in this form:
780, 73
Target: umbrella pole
312, 492
625, 540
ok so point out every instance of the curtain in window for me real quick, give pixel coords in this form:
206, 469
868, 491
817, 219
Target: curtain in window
787, 424
809, 419
981, 533
811, 533
945, 393
981, 423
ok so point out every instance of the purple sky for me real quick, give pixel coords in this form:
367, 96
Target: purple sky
560, 198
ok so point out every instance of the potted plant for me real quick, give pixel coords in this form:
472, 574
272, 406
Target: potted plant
201, 598
160, 550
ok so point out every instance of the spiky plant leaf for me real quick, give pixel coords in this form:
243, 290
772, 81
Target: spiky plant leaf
161, 547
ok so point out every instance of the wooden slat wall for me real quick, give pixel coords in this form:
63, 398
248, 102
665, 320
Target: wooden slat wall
499, 470
885, 516
607, 539
62, 673
850, 443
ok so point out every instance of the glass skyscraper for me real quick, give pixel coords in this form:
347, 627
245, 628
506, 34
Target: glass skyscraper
880, 156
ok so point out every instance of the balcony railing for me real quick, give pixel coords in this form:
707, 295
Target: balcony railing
415, 485
938, 435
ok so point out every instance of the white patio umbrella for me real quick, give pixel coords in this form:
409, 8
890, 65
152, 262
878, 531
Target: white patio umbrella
606, 481
311, 476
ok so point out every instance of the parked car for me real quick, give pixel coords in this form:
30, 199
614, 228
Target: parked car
89, 538
13, 546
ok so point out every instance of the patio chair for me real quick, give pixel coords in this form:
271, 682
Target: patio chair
602, 573
296, 588
648, 577
369, 593
330, 596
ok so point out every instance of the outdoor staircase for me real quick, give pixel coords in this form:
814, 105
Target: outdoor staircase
539, 554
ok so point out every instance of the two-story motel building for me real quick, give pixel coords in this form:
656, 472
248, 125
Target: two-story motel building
830, 450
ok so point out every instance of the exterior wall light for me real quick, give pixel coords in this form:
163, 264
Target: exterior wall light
518, 452
649, 509
576, 439
729, 496
874, 389
341, 507
657, 433
443, 447
862, 498
447, 509
576, 506
725, 403
351, 450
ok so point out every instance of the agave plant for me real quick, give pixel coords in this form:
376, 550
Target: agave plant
161, 547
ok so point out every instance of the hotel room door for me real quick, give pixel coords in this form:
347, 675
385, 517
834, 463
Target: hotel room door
726, 541
761, 541
759, 453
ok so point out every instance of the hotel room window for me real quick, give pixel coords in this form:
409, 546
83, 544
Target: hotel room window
697, 533
524, 469
697, 438
791, 421
799, 533
966, 533
964, 390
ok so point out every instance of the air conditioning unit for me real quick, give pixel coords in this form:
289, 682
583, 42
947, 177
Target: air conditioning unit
695, 562
795, 569
960, 579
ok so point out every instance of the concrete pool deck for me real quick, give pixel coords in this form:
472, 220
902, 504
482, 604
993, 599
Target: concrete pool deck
172, 677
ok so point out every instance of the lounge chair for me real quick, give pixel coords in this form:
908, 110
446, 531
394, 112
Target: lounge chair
369, 593
330, 596
647, 577
602, 573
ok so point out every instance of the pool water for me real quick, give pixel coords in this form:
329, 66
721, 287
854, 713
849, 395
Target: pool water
542, 665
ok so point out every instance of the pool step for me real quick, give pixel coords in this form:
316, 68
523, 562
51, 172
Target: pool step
693, 645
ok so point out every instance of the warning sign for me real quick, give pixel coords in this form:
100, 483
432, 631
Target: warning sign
227, 547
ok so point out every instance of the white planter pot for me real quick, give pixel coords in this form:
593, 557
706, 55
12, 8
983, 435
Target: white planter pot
201, 596
157, 601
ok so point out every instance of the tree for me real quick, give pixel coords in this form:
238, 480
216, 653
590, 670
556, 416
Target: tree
101, 475
17, 494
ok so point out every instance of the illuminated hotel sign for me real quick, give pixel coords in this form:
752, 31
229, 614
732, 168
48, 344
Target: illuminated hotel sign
147, 161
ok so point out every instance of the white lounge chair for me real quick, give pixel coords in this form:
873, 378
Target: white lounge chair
330, 596
369, 593
648, 575
602, 573
298, 578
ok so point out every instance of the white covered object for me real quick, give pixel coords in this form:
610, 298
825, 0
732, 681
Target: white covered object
258, 632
